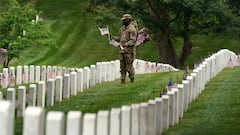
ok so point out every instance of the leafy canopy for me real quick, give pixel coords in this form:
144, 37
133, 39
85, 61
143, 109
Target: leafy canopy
19, 30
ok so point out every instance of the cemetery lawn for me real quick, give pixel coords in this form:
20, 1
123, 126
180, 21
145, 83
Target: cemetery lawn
216, 111
113, 95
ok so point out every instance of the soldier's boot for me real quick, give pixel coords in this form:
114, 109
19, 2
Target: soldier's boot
132, 80
122, 81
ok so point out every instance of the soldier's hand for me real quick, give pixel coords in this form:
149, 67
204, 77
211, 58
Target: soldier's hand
117, 44
111, 36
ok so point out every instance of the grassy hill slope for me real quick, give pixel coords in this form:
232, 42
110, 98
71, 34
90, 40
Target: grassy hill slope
79, 42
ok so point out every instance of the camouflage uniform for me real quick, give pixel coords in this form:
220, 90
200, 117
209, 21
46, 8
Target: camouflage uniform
127, 38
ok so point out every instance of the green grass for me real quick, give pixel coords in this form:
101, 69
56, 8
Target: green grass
113, 94
216, 111
207, 45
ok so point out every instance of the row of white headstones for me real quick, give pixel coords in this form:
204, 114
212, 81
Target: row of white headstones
104, 71
147, 118
62, 82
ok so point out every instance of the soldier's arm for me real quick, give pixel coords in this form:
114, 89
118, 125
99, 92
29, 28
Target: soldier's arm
115, 38
133, 37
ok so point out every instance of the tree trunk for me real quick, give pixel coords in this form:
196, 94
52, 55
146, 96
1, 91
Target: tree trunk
187, 46
6, 62
167, 53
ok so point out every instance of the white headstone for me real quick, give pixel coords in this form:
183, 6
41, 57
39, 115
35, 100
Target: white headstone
176, 102
55, 123
54, 72
143, 118
86, 78
171, 108
135, 119
108, 71
11, 77
59, 85
64, 71
1, 96
186, 93
98, 74
49, 72
34, 121
11, 93
21, 101
89, 124
151, 118
74, 123
31, 74
6, 118
19, 75
38, 73
118, 69
159, 119
203, 78
193, 75
73, 83
196, 82
25, 74
80, 80
50, 92
66, 86
113, 70
32, 95
115, 121
102, 123
92, 74
59, 71
1, 78
41, 94
103, 72
43, 73
165, 99
5, 78
125, 120
181, 99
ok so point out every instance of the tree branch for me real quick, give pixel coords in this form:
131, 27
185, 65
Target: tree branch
175, 18
150, 5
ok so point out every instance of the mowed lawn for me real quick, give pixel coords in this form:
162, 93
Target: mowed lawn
216, 111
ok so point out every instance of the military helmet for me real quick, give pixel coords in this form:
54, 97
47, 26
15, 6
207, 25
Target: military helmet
126, 16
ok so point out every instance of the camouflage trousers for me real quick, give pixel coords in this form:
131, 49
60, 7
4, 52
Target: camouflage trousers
126, 65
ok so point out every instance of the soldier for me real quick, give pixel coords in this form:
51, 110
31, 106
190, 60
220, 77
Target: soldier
127, 40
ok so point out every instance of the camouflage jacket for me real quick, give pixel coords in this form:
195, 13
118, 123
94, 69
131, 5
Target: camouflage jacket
127, 37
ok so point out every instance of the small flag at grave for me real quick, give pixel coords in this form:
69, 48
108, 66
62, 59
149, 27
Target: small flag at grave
230, 63
104, 31
142, 37
113, 42
238, 59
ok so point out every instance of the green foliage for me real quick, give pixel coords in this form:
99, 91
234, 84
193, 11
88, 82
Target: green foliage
171, 18
18, 31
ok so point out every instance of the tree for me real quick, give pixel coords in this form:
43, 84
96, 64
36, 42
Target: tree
19, 30
169, 18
